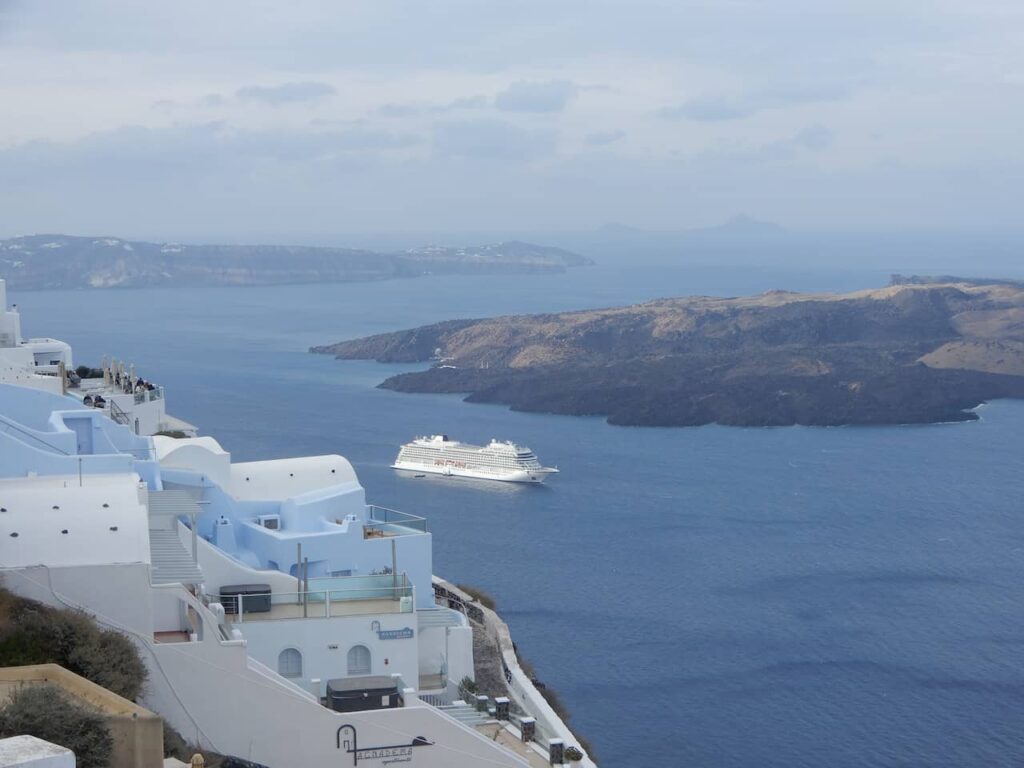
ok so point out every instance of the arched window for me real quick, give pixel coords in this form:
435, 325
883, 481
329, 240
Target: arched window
289, 663
359, 660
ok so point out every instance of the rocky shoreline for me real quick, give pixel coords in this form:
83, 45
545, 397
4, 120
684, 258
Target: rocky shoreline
922, 350
38, 262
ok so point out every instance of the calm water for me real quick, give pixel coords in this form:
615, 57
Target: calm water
700, 597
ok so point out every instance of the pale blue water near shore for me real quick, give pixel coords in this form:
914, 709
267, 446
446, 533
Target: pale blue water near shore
699, 597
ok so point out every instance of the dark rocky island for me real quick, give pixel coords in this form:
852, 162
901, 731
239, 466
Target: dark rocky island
919, 351
63, 261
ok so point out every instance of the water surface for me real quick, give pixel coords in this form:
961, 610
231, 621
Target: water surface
701, 597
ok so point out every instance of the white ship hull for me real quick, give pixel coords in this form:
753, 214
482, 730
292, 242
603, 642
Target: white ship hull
502, 461
515, 476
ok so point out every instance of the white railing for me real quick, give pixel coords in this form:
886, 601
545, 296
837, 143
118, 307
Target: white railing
317, 604
385, 516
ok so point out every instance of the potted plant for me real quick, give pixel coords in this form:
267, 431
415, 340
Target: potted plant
573, 755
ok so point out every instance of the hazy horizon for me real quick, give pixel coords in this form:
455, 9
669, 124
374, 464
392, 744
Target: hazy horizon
264, 122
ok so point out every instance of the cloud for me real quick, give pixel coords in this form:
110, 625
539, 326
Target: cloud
524, 96
929, 76
603, 138
286, 93
814, 137
737, 107
491, 139
414, 109
709, 110
150, 157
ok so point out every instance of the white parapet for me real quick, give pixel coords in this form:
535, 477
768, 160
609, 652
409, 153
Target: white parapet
30, 752
548, 724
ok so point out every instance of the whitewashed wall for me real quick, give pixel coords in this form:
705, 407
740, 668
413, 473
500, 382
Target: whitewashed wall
236, 709
324, 645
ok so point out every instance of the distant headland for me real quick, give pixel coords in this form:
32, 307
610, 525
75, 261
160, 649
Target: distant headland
39, 262
922, 350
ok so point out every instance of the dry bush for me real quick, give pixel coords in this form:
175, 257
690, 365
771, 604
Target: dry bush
479, 595
47, 713
32, 633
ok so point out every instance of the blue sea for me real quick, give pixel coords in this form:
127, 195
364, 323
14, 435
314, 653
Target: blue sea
699, 597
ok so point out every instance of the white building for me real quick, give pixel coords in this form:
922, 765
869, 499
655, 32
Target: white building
43, 363
34, 363
263, 596
91, 519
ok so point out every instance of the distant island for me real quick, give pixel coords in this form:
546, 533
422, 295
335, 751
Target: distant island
922, 350
61, 261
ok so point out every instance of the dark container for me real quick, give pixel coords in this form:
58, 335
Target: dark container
354, 694
255, 598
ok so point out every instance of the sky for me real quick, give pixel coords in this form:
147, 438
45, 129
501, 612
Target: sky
241, 120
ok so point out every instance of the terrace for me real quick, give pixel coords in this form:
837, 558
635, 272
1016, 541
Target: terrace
325, 598
385, 523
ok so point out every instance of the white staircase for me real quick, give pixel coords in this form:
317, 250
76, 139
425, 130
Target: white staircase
171, 562
465, 714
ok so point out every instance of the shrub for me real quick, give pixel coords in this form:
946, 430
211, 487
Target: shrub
467, 688
479, 595
573, 753
109, 659
47, 713
32, 633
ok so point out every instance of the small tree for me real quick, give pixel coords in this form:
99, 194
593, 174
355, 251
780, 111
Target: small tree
467, 688
47, 713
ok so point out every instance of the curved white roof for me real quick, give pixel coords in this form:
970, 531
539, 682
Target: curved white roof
165, 446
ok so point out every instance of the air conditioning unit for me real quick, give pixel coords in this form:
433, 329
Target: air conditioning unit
405, 604
270, 522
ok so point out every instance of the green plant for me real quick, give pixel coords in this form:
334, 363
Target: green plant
573, 753
467, 688
47, 713
479, 595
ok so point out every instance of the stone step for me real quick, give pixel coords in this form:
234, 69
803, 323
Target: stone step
465, 714
170, 562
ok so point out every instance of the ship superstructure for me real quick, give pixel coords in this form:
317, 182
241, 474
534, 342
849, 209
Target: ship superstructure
497, 460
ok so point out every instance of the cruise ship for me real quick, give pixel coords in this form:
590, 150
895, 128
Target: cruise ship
282, 618
497, 460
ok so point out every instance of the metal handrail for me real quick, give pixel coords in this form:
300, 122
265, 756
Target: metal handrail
117, 414
316, 604
393, 516
17, 427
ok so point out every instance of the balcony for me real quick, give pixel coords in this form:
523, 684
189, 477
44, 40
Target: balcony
326, 598
384, 523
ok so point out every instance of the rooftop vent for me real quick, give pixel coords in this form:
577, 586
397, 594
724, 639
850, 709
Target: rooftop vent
270, 522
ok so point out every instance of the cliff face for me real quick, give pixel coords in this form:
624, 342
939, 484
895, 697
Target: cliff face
917, 352
61, 261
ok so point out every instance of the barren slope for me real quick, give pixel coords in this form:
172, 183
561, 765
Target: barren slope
911, 352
